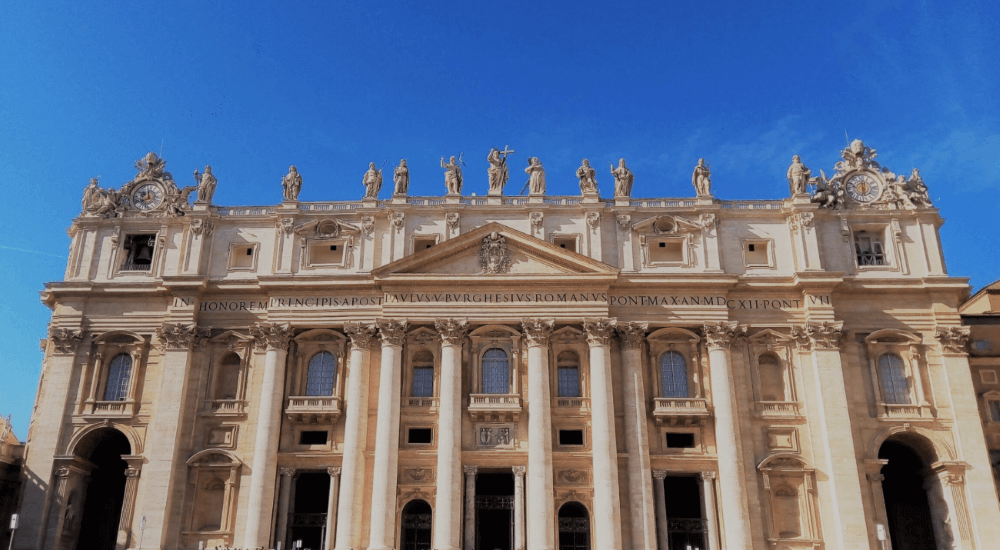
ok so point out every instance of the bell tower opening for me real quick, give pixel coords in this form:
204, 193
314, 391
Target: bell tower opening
494, 511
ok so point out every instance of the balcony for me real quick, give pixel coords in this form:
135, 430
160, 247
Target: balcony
777, 409
111, 409
428, 404
491, 407
675, 411
313, 409
226, 407
892, 411
571, 405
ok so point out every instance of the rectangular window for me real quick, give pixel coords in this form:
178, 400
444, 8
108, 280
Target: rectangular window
569, 382
988, 376
419, 435
569, 243
423, 382
571, 437
423, 243
680, 440
757, 254
326, 253
317, 437
994, 406
869, 249
666, 251
138, 252
241, 256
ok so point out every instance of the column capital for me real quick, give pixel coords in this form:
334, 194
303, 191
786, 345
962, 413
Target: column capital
599, 331
954, 340
271, 336
471, 470
334, 471
817, 336
361, 334
287, 472
392, 332
64, 340
707, 476
451, 330
723, 335
181, 336
537, 331
519, 471
659, 474
632, 334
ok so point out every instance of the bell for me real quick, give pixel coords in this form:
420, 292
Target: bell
144, 254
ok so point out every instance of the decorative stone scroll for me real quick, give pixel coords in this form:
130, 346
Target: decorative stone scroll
64, 340
537, 331
825, 335
599, 331
954, 340
271, 336
799, 220
632, 334
594, 220
494, 257
451, 330
392, 332
362, 335
723, 335
396, 220
181, 336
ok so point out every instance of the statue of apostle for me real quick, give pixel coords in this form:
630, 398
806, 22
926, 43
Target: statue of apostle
702, 179
372, 181
798, 176
623, 179
536, 176
588, 178
498, 170
401, 177
452, 176
291, 184
206, 185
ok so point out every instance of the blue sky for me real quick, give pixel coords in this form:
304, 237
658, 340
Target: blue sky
86, 88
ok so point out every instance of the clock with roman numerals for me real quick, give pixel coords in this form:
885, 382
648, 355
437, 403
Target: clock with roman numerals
863, 188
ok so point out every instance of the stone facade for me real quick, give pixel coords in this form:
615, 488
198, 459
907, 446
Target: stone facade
981, 316
509, 372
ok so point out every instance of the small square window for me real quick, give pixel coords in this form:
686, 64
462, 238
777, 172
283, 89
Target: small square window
667, 251
571, 437
317, 437
241, 256
988, 376
757, 254
423, 243
419, 435
326, 253
680, 440
569, 243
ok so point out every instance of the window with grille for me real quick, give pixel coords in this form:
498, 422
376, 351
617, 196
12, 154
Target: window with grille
119, 375
322, 374
568, 371
496, 371
869, 249
895, 386
673, 375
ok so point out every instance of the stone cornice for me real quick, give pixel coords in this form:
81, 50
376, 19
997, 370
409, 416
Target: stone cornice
723, 335
599, 331
362, 335
451, 330
537, 331
632, 334
271, 336
819, 336
392, 332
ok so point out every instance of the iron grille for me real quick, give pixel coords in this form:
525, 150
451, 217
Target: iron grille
423, 382
574, 525
895, 387
495, 502
119, 374
416, 521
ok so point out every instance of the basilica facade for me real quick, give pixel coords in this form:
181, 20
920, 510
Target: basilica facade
509, 372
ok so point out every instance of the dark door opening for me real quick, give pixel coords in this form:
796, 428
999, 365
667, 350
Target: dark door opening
685, 526
307, 520
494, 511
416, 522
574, 527
906, 505
102, 507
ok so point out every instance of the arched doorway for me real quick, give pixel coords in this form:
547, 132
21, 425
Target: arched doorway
103, 495
908, 511
574, 527
416, 523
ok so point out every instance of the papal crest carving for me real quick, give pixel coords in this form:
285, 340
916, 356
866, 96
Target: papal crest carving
494, 256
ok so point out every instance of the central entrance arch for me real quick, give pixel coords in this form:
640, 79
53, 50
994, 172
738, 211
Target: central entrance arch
416, 521
907, 506
102, 497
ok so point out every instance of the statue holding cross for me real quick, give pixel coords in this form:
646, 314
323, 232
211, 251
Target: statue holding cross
498, 169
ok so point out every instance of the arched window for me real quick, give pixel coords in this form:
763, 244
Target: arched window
568, 369
228, 382
119, 375
496, 371
416, 522
772, 378
574, 527
423, 374
321, 374
673, 375
895, 386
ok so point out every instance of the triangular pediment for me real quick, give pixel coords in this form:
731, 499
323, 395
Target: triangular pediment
528, 256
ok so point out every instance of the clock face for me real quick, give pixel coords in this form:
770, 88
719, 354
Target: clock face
863, 188
147, 197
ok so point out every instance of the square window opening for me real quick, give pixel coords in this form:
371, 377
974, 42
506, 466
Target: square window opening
569, 243
671, 251
326, 253
988, 376
758, 254
571, 437
868, 249
313, 437
423, 243
242, 256
419, 435
139, 252
680, 440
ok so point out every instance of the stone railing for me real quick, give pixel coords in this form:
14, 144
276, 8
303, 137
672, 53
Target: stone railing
494, 407
663, 203
313, 408
889, 411
112, 408
776, 408
244, 210
227, 407
751, 205
421, 402
582, 403
680, 411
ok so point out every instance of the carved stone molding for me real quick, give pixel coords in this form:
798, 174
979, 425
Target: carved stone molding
396, 220
362, 335
451, 330
334, 471
573, 477
723, 335
392, 332
599, 331
62, 472
470, 470
594, 220
494, 257
706, 476
875, 477
632, 334
452, 219
623, 220
287, 472
519, 471
954, 340
537, 220
825, 335
64, 340
131, 472
537, 331
659, 474
271, 336
284, 225
800, 220
368, 224
200, 226
708, 223
181, 336
421, 474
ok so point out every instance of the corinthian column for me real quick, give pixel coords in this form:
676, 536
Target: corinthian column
735, 515
273, 340
541, 513
470, 507
448, 500
383, 521
355, 436
640, 486
607, 502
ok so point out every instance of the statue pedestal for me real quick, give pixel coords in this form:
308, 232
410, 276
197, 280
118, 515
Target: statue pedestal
494, 200
705, 200
289, 205
453, 198
623, 201
399, 199
536, 199
200, 206
801, 198
369, 203
591, 198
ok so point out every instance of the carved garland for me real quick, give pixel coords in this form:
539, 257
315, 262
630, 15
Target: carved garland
270, 336
392, 332
451, 330
825, 335
599, 331
181, 336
